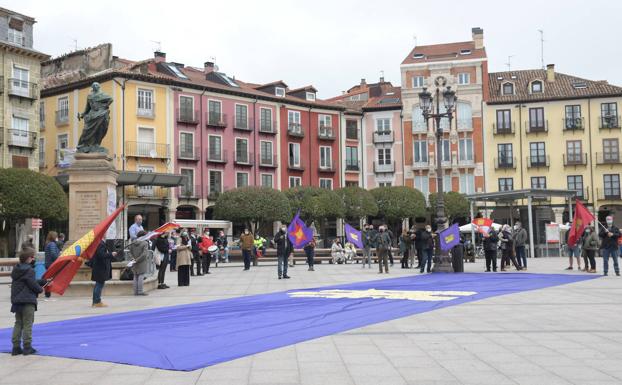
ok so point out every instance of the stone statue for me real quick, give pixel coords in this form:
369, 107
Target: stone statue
96, 117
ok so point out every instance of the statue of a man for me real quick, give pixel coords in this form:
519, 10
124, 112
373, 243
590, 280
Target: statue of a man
96, 117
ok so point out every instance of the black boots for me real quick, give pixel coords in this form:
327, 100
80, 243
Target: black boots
17, 350
28, 350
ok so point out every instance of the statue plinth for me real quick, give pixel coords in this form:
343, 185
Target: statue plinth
92, 193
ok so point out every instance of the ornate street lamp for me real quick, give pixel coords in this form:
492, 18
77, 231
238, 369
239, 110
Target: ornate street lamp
442, 263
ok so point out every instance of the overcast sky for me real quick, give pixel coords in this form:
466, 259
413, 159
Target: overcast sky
333, 44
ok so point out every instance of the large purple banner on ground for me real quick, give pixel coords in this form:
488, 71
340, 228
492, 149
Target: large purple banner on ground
189, 337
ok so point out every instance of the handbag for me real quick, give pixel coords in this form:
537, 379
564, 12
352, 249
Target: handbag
157, 257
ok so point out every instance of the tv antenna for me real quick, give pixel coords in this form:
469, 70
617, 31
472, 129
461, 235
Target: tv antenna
509, 63
415, 39
382, 74
159, 45
75, 44
541, 47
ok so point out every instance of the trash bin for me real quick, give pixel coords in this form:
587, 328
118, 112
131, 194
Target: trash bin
39, 265
457, 258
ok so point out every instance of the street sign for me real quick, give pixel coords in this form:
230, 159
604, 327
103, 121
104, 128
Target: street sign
37, 223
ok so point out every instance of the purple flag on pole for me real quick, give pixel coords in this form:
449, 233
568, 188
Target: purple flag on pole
299, 234
450, 237
354, 236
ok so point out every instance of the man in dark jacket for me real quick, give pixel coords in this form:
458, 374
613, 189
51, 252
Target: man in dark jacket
283, 249
162, 245
419, 246
427, 244
101, 265
609, 246
24, 291
367, 245
196, 255
490, 242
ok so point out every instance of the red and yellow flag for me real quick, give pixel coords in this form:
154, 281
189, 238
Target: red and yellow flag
582, 218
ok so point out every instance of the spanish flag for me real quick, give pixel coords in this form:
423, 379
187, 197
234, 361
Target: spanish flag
62, 271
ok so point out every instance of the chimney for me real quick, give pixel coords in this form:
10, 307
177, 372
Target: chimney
478, 37
550, 73
208, 66
382, 79
363, 82
159, 56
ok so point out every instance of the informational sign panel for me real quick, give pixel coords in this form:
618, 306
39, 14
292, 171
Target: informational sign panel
552, 233
37, 223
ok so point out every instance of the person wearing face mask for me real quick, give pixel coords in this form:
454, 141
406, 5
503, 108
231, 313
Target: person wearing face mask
609, 246
206, 255
382, 249
507, 248
590, 245
490, 242
520, 239
283, 248
246, 244
367, 245
427, 242
223, 245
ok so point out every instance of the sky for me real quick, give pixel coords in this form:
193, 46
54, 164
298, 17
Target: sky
332, 44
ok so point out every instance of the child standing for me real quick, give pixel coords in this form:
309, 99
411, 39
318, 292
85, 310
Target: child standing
24, 291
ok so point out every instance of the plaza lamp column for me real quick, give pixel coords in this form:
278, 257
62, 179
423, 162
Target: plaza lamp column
442, 262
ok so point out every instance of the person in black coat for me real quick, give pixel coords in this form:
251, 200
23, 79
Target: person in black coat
162, 245
283, 248
419, 245
101, 265
490, 243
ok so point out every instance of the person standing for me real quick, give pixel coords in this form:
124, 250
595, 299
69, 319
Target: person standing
162, 245
196, 255
259, 246
206, 256
283, 247
61, 241
412, 237
391, 239
573, 251
246, 244
367, 245
427, 244
419, 246
490, 249
138, 251
609, 245
184, 259
223, 245
101, 271
520, 239
404, 244
136, 227
52, 252
507, 248
590, 245
383, 245
310, 254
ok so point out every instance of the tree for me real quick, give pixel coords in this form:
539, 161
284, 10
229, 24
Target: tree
357, 202
314, 203
398, 202
456, 205
252, 205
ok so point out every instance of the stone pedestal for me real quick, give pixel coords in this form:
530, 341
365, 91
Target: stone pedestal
92, 193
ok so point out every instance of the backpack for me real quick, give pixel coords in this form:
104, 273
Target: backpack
382, 240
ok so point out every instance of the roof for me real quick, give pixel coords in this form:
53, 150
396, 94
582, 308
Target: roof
444, 52
389, 98
563, 87
25, 17
23, 50
510, 196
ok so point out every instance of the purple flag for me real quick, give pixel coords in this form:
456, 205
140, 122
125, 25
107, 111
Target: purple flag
354, 236
299, 234
450, 237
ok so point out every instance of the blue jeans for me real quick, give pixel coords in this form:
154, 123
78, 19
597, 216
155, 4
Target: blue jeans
520, 256
426, 260
282, 264
97, 292
613, 253
247, 259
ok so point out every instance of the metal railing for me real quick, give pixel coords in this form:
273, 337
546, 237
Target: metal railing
387, 167
147, 192
187, 116
466, 162
505, 129
534, 127
326, 167
268, 161
23, 89
505, 163
575, 159
464, 124
610, 194
61, 117
188, 192
216, 156
608, 158
267, 126
295, 129
185, 153
147, 150
353, 167
215, 119
242, 124
383, 136
573, 124
298, 167
538, 161
146, 111
609, 121
245, 158
326, 133
22, 138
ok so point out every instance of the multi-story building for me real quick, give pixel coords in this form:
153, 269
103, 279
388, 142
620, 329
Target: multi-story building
19, 89
545, 129
463, 67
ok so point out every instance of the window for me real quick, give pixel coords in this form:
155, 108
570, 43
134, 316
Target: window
145, 191
464, 116
145, 102
575, 182
294, 154
16, 36
385, 184
506, 184
42, 114
352, 158
326, 159
573, 118
612, 185
422, 183
146, 142
464, 78
447, 183
295, 181
467, 183
62, 141
176, 71
609, 115
214, 147
241, 116
420, 152
573, 152
214, 112
19, 133
504, 120
215, 182
266, 152
186, 145
19, 83
418, 81
536, 87
537, 153
384, 156
536, 118
311, 96
445, 150
326, 183
383, 126
326, 121
186, 108
611, 151
265, 119
241, 179
62, 113
41, 152
241, 150
293, 121
419, 123
507, 89
444, 122
352, 129
465, 147
506, 157
266, 180
279, 91
538, 182
187, 189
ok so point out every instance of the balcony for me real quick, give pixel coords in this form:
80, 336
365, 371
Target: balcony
147, 111
22, 138
61, 118
268, 161
213, 193
216, 156
188, 153
384, 168
326, 167
244, 159
421, 165
538, 161
608, 158
573, 124
536, 127
575, 159
295, 167
216, 120
420, 127
326, 133
609, 194
464, 125
267, 127
242, 124
354, 167
505, 163
295, 129
187, 116
504, 129
188, 192
609, 122
23, 89
583, 195
466, 163
147, 150
146, 192
383, 137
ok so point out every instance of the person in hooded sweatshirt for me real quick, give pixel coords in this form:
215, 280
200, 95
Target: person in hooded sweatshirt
283, 249
24, 291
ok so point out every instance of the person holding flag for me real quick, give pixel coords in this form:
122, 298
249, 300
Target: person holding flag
283, 247
609, 245
590, 246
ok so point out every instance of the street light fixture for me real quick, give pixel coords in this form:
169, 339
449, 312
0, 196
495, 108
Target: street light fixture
442, 263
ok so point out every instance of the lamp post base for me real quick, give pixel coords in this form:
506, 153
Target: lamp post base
442, 263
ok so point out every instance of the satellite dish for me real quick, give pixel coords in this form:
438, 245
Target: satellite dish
153, 153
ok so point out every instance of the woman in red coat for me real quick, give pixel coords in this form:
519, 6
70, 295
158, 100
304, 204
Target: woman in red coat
206, 258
